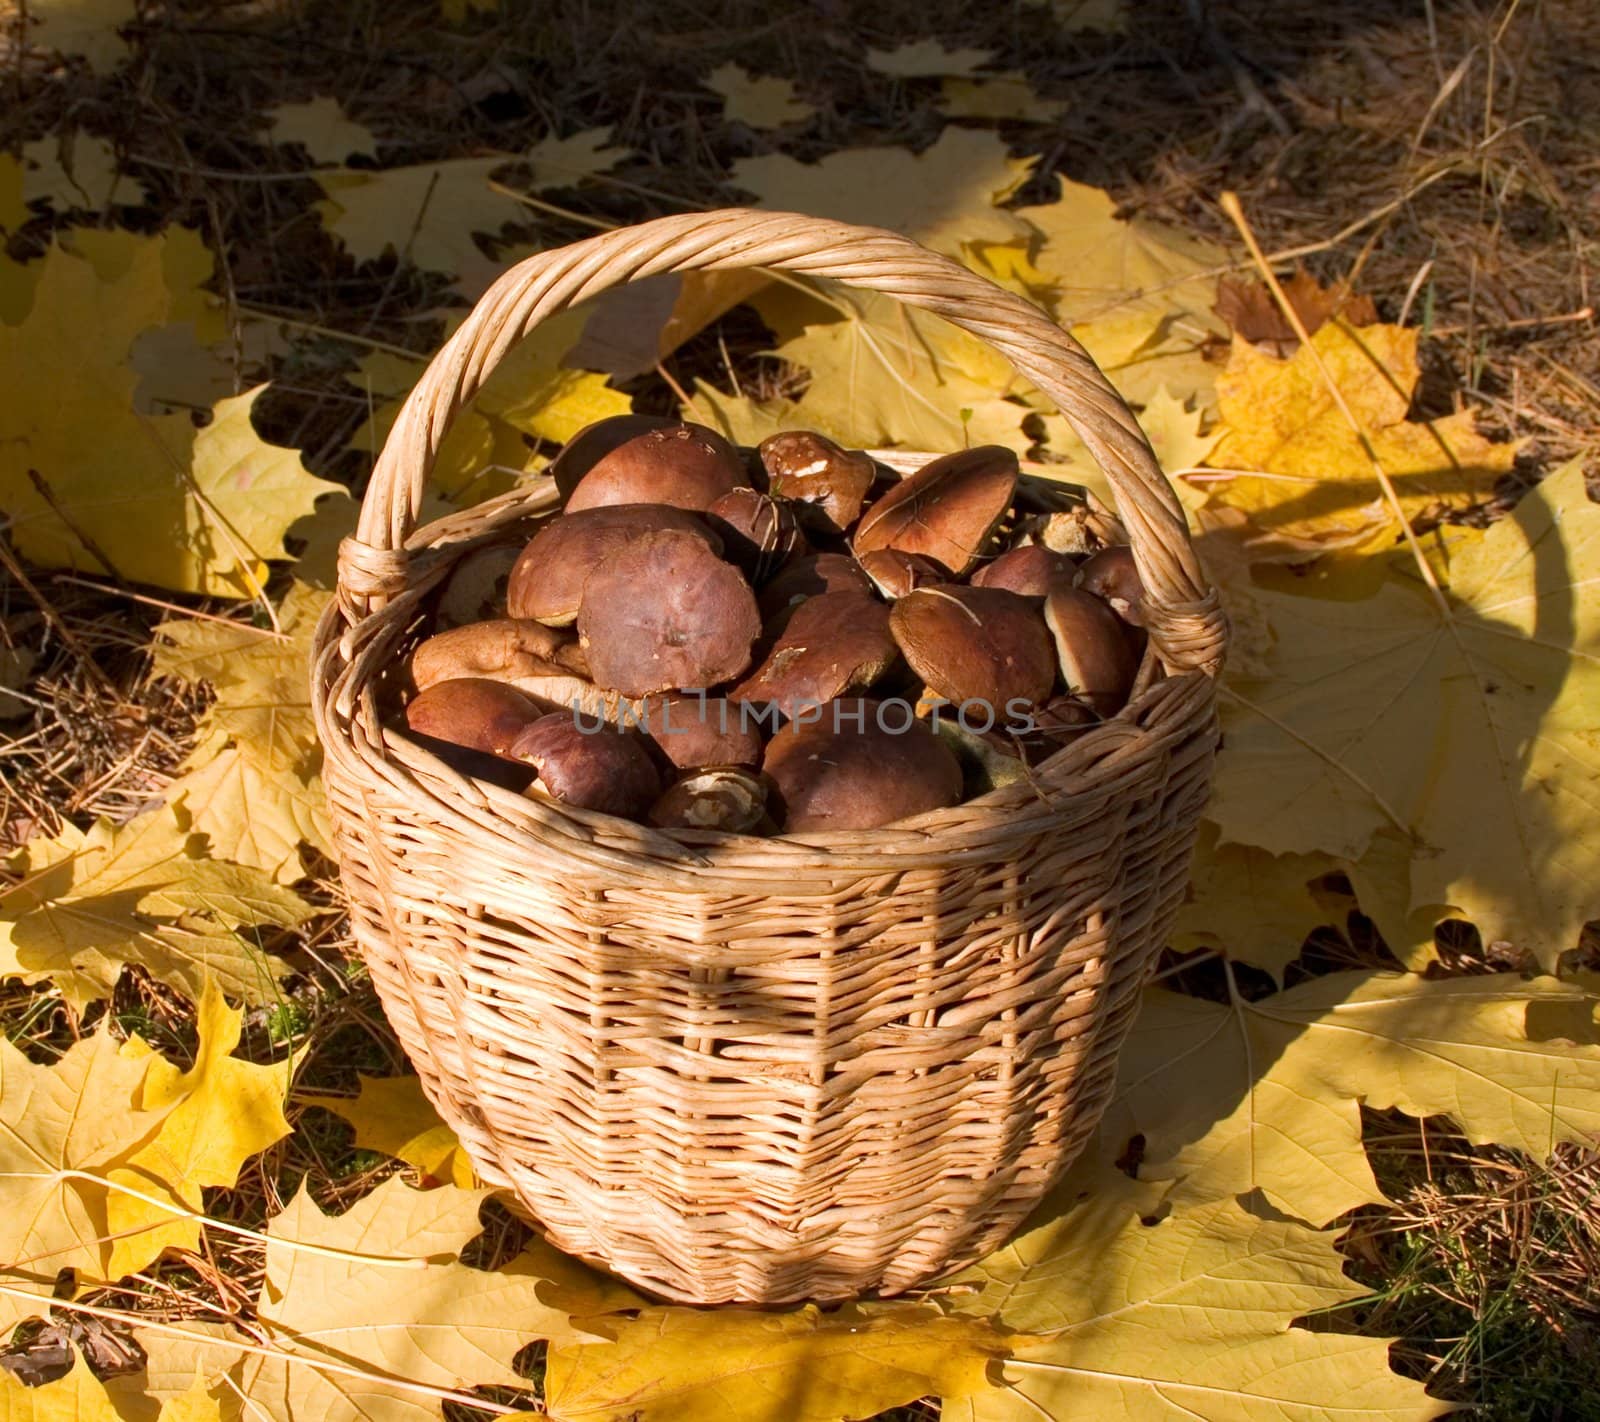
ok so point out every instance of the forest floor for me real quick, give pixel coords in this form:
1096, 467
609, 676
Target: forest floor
1443, 158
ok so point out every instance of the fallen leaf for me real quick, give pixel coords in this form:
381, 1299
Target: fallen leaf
1267, 1094
76, 170
78, 1397
196, 1405
761, 101
217, 1115
1381, 879
1253, 313
739, 1365
1106, 16
1188, 1313
1254, 906
923, 58
89, 28
13, 210
391, 1115
945, 196
320, 126
1003, 98
16, 665
630, 329
1470, 729
1308, 482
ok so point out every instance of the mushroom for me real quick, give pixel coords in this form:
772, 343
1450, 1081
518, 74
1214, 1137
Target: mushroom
894, 573
1046, 729
500, 650
758, 532
810, 576
664, 613
594, 442
829, 483
547, 582
1113, 575
857, 765
469, 723
946, 510
976, 645
594, 768
1028, 571
1097, 663
719, 798
476, 589
832, 644
695, 730
688, 466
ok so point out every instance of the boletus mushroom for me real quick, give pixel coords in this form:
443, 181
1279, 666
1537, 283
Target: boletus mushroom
664, 613
1113, 575
592, 767
1097, 663
1028, 571
895, 573
470, 724
476, 588
501, 650
858, 764
976, 645
810, 576
829, 483
758, 532
593, 442
718, 798
696, 730
832, 644
1046, 729
946, 510
686, 465
546, 583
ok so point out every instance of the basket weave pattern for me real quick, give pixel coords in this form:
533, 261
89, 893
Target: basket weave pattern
746, 1069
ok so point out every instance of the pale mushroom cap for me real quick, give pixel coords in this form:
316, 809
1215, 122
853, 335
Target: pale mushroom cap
981, 645
665, 613
831, 645
1113, 575
1097, 663
593, 768
476, 589
720, 798
831, 482
1028, 571
829, 775
946, 510
500, 650
686, 465
547, 582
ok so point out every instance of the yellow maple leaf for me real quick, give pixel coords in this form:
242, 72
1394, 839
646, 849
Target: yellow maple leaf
78, 1397
320, 126
1310, 485
216, 1116
761, 101
391, 1115
83, 27
926, 58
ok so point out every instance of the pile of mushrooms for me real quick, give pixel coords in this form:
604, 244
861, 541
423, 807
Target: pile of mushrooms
786, 639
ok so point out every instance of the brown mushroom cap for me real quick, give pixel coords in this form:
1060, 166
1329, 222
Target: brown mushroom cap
594, 768
829, 482
664, 613
692, 731
547, 582
982, 645
810, 576
686, 465
1047, 728
1112, 574
895, 573
832, 774
719, 798
1097, 663
476, 589
470, 723
832, 644
946, 510
1028, 571
500, 650
593, 442
758, 532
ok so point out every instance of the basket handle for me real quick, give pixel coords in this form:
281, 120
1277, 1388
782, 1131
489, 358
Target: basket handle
1183, 613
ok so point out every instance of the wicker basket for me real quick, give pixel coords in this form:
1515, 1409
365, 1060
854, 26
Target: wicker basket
763, 1070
